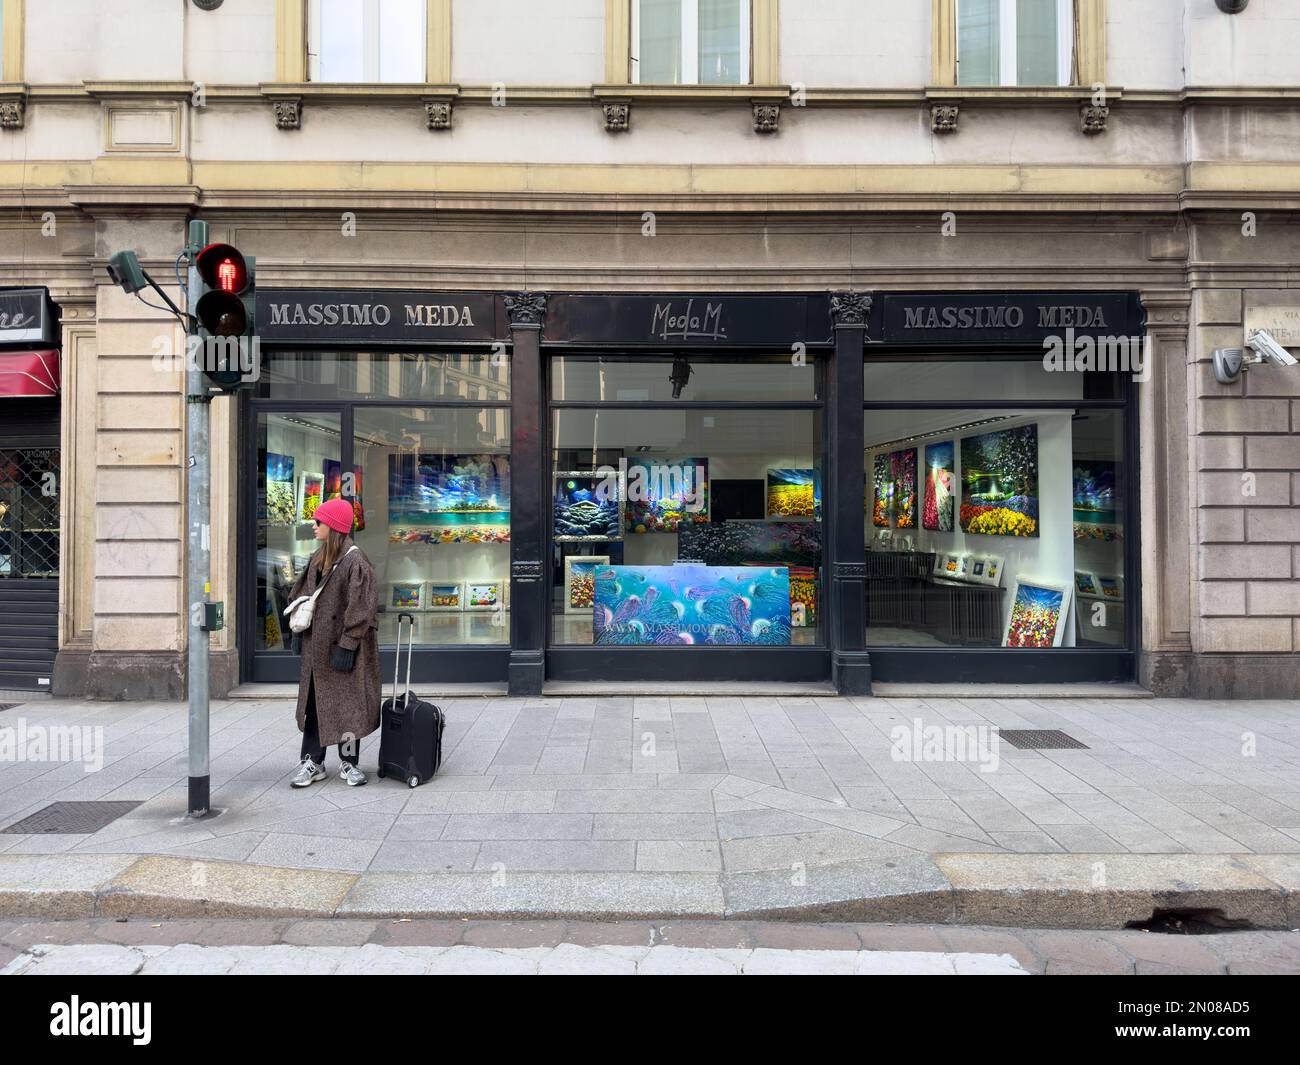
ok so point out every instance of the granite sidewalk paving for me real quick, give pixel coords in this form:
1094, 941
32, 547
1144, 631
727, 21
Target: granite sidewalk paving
865, 808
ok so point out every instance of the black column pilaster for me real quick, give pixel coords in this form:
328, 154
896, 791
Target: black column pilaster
846, 552
528, 586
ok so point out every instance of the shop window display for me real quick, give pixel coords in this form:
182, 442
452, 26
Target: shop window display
686, 565
1020, 541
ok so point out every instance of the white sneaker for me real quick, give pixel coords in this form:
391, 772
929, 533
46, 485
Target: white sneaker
351, 775
308, 773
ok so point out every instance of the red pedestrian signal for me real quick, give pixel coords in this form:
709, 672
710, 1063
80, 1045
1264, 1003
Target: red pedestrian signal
224, 307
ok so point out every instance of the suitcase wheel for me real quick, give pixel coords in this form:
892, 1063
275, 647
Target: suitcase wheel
413, 782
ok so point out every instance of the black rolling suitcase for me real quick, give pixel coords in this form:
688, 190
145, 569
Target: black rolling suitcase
410, 736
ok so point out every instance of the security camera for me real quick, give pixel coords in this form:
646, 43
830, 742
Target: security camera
1262, 343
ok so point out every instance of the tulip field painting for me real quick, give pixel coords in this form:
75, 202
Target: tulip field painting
937, 512
999, 474
1038, 611
883, 487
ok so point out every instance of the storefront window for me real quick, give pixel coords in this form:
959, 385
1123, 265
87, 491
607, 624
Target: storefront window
689, 525
428, 375
995, 525
699, 378
438, 531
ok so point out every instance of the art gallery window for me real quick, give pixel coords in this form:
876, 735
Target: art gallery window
686, 501
420, 443
999, 513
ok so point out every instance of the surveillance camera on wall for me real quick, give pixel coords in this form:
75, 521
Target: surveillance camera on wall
1264, 344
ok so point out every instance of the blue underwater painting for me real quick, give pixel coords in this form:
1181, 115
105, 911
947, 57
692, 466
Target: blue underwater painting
711, 605
427, 489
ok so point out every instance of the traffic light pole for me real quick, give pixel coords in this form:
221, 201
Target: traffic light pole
198, 557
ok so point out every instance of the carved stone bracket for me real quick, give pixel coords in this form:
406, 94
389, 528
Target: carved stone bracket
437, 114
850, 308
1092, 118
526, 308
618, 115
13, 108
767, 117
288, 112
943, 117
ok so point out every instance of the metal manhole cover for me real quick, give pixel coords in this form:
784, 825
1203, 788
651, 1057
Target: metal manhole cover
71, 817
1040, 739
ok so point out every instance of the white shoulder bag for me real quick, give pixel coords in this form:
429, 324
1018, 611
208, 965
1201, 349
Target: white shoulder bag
300, 611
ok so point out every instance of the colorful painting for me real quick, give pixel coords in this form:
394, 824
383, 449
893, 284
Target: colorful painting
440, 595
803, 596
999, 473
794, 494
280, 498
937, 512
993, 569
311, 487
902, 465
1111, 587
482, 595
587, 506
580, 582
442, 499
1096, 501
952, 566
334, 490
1086, 584
679, 605
735, 543
1038, 613
883, 482
663, 495
406, 595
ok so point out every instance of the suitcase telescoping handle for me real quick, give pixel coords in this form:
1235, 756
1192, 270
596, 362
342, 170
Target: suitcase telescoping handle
397, 657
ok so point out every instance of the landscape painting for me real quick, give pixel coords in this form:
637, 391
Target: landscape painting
793, 494
903, 469
883, 489
1096, 501
587, 506
684, 605
448, 498
937, 512
1038, 611
999, 474
663, 495
280, 497
739, 543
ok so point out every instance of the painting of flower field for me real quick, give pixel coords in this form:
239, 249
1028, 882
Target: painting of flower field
1036, 614
793, 494
937, 512
883, 487
999, 474
903, 469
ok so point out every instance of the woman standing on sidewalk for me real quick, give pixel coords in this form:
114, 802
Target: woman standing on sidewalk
338, 685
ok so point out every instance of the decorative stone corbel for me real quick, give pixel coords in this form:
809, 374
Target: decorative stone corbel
850, 308
943, 117
1092, 118
288, 112
618, 115
13, 110
767, 117
525, 308
437, 113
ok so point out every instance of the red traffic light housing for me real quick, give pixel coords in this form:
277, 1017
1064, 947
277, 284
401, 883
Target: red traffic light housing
224, 273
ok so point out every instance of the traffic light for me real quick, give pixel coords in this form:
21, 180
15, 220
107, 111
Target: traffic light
224, 307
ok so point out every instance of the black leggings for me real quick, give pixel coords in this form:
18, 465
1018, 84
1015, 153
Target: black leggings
349, 750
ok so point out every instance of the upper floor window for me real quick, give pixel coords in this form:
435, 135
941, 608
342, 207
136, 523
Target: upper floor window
1015, 42
690, 42
367, 40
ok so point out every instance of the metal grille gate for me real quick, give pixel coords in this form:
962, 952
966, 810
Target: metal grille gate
29, 565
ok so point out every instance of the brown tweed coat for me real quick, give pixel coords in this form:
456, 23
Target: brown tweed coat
347, 704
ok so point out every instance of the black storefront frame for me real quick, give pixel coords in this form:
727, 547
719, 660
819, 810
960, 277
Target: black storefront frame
1019, 665
795, 663
452, 663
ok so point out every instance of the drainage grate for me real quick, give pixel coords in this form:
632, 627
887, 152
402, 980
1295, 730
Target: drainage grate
71, 818
1040, 739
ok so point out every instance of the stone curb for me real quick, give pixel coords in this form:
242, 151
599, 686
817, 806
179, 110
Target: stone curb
1099, 891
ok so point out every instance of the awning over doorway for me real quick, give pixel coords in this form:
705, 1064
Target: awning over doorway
29, 373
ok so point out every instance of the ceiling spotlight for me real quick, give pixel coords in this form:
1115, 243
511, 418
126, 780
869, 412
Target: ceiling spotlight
1232, 7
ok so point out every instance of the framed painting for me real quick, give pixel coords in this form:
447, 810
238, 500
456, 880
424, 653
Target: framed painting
993, 565
937, 509
1085, 584
940, 561
882, 481
405, 595
1111, 587
793, 493
587, 505
281, 497
580, 582
999, 483
444, 596
1039, 610
977, 564
952, 566
660, 496
1097, 514
311, 493
903, 470
445, 499
484, 595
